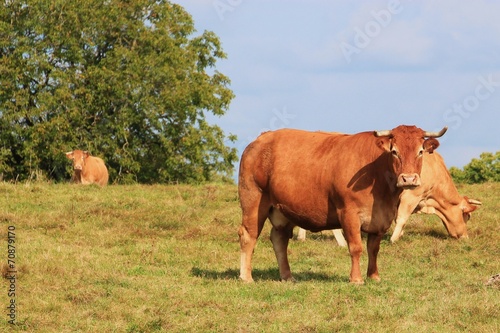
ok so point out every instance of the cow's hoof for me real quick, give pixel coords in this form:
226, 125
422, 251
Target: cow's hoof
357, 282
246, 280
290, 279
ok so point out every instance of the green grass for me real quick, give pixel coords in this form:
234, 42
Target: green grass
166, 259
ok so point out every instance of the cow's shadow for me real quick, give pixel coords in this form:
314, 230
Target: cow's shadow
429, 233
270, 274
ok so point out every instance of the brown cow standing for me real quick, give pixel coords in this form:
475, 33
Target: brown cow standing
318, 181
88, 169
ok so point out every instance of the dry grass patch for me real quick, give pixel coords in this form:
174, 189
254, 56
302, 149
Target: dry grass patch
166, 259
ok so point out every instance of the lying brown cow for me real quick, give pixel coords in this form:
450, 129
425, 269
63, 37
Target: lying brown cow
88, 169
319, 181
436, 195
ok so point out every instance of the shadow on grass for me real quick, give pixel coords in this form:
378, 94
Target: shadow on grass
426, 233
271, 274
435, 234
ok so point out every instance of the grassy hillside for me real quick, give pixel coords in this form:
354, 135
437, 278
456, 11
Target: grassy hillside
166, 258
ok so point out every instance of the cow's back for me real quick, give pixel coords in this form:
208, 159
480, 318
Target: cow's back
95, 171
438, 176
292, 158
286, 162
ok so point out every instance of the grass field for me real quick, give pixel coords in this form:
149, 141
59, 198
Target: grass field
166, 259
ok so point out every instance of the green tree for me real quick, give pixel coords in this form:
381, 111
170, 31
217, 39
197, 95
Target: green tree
484, 169
126, 80
457, 174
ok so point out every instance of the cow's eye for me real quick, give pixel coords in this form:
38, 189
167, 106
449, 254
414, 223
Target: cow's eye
394, 152
421, 152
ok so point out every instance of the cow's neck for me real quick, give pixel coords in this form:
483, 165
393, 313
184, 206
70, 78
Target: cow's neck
78, 176
387, 179
445, 194
447, 201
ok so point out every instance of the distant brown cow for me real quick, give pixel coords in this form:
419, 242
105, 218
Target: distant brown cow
88, 169
320, 181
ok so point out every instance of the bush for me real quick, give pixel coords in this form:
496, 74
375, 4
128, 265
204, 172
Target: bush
484, 169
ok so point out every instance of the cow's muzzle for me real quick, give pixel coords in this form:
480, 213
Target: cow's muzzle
78, 167
408, 180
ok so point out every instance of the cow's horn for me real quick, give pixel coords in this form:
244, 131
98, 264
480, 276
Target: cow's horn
382, 133
436, 134
474, 202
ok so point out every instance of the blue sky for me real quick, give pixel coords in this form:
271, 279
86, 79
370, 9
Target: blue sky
353, 66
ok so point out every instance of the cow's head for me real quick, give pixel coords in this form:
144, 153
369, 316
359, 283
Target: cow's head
78, 157
455, 215
407, 144
468, 206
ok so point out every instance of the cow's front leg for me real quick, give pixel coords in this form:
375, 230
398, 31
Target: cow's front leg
405, 209
352, 233
301, 235
373, 246
355, 250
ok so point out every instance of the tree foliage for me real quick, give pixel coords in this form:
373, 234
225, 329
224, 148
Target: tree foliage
484, 169
126, 80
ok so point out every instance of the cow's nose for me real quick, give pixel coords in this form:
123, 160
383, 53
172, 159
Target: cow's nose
78, 167
408, 180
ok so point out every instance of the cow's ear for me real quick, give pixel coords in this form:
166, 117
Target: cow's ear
384, 143
470, 205
466, 206
69, 155
431, 144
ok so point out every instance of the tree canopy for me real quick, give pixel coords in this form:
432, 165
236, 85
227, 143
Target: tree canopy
486, 168
125, 80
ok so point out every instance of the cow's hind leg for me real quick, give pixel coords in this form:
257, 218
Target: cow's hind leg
280, 235
254, 215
